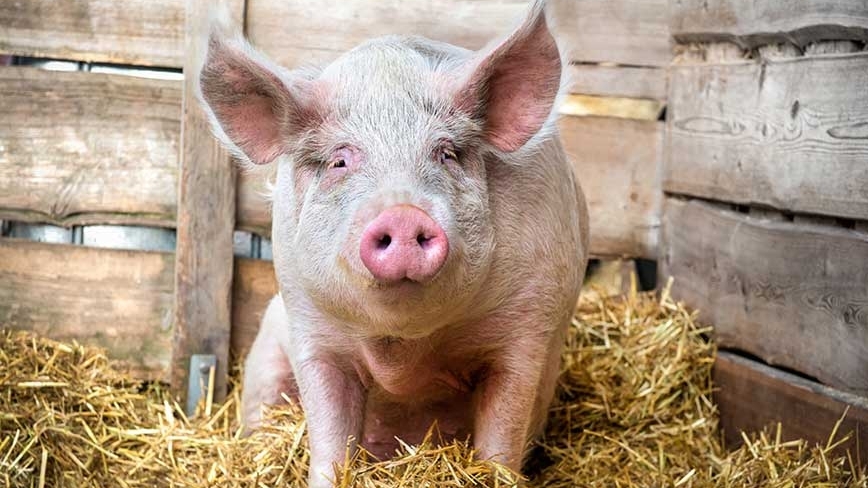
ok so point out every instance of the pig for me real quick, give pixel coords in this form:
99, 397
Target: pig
429, 237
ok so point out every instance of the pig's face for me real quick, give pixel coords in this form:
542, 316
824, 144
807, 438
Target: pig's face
392, 164
381, 204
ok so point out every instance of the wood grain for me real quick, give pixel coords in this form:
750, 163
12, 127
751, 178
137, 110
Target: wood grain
206, 222
87, 148
253, 212
755, 22
617, 162
253, 287
296, 32
627, 32
625, 108
751, 396
618, 81
142, 32
791, 134
119, 300
793, 294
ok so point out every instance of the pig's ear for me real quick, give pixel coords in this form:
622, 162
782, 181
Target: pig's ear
513, 85
254, 107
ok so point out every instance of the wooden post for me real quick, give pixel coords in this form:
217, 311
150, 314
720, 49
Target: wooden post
206, 221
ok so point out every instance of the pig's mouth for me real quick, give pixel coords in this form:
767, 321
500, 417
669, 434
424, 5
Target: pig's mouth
405, 285
398, 285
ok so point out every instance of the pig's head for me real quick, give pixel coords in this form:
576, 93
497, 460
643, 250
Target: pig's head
382, 214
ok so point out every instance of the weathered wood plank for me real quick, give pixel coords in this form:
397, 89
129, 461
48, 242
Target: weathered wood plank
253, 287
295, 32
206, 222
626, 108
143, 32
618, 81
630, 32
793, 294
119, 300
82, 148
751, 396
617, 162
792, 134
253, 212
752, 22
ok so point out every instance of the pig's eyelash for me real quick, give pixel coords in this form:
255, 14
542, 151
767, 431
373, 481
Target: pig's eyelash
311, 160
340, 156
446, 151
338, 162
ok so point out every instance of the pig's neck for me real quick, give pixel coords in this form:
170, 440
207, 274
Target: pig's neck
412, 368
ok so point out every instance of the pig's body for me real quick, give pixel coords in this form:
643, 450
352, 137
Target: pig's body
520, 314
429, 238
525, 304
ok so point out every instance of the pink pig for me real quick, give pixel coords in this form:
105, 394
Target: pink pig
429, 237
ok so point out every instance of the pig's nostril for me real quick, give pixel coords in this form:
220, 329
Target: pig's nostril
422, 240
384, 242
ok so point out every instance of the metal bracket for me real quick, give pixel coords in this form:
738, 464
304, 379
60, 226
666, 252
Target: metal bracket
203, 368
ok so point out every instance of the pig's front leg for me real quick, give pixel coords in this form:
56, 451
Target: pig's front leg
267, 372
513, 400
333, 403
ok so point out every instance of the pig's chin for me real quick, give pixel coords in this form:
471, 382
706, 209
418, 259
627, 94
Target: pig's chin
404, 296
407, 309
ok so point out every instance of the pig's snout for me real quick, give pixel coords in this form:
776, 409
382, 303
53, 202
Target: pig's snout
403, 242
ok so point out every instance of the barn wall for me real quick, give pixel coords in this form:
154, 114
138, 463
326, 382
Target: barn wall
91, 152
140, 32
764, 223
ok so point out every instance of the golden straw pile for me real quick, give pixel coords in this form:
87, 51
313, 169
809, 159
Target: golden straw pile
634, 409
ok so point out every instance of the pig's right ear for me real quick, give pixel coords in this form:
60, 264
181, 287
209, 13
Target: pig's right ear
513, 85
253, 105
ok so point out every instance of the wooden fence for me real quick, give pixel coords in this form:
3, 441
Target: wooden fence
764, 221
750, 187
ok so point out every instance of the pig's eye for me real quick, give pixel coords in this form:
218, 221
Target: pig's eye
448, 155
338, 163
344, 157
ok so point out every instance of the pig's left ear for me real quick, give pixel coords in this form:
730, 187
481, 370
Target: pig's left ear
513, 85
256, 107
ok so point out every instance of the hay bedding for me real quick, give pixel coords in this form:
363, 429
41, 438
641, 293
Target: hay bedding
633, 409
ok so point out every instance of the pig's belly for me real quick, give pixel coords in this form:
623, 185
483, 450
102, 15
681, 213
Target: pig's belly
387, 419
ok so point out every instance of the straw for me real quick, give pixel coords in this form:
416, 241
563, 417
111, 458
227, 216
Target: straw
633, 409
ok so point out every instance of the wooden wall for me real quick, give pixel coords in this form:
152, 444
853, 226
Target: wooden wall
102, 144
765, 222
86, 148
141, 32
